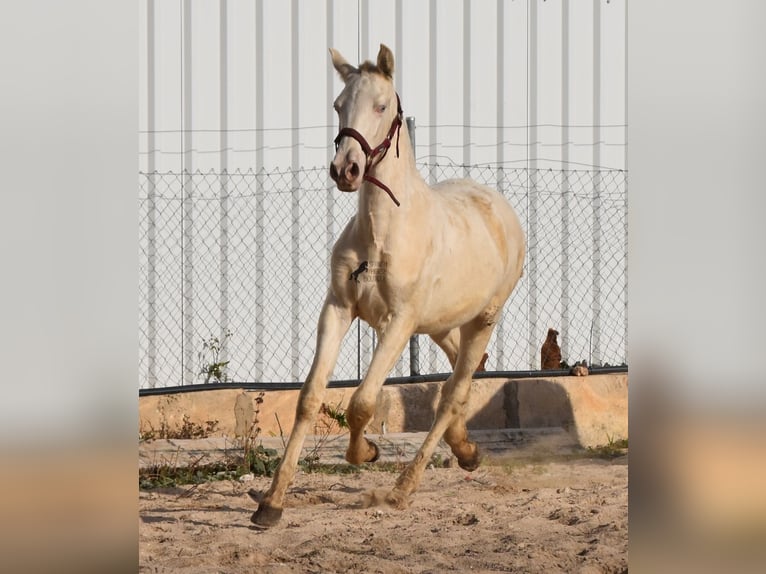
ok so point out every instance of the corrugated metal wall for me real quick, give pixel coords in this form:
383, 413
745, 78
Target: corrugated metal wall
236, 86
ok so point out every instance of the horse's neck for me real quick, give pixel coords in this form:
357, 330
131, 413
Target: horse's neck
378, 216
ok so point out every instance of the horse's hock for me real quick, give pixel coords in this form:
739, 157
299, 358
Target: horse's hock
593, 410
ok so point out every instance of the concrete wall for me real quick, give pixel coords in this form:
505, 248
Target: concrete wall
594, 409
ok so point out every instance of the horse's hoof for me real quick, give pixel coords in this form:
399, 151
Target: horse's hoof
375, 456
471, 463
398, 500
266, 516
355, 457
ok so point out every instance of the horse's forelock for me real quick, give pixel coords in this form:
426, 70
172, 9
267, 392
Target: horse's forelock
371, 68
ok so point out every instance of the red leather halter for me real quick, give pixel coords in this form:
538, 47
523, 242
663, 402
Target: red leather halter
378, 152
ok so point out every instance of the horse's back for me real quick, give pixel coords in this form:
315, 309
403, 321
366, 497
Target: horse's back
468, 206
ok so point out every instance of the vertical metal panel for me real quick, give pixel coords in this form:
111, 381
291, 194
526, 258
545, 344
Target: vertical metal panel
260, 211
188, 195
414, 346
625, 208
295, 323
432, 111
151, 234
500, 155
433, 33
363, 50
532, 181
330, 118
224, 179
565, 188
595, 345
466, 87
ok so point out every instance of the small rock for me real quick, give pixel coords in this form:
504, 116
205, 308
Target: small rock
579, 371
247, 477
467, 519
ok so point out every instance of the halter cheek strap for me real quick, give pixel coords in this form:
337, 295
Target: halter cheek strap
379, 151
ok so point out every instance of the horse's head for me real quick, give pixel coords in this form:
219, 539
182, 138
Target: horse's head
368, 109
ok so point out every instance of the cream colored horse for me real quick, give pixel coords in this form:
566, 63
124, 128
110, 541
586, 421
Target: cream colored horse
436, 260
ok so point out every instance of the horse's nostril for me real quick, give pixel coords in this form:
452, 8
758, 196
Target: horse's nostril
333, 172
353, 171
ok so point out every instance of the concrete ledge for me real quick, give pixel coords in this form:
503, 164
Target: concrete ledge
593, 410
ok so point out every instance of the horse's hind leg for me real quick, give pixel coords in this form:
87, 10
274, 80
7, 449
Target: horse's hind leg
475, 336
334, 321
449, 421
449, 342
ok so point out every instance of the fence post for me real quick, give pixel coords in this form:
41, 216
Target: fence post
414, 343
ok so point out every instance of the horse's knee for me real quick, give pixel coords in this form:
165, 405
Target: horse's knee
452, 406
360, 410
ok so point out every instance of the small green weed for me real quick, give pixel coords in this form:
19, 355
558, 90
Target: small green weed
187, 430
336, 414
331, 419
168, 475
612, 449
259, 461
211, 366
252, 458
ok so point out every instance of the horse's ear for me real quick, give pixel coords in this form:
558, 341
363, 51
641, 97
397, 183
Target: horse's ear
341, 65
386, 61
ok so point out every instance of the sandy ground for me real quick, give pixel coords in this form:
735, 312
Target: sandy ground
565, 516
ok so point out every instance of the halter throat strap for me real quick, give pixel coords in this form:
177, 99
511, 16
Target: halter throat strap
378, 152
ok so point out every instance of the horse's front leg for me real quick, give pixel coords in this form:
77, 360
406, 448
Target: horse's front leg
334, 321
361, 407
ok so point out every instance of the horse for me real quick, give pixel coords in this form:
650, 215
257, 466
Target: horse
445, 260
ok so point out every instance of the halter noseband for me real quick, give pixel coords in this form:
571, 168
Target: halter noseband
377, 152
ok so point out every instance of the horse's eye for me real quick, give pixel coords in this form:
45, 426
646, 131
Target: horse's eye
380, 109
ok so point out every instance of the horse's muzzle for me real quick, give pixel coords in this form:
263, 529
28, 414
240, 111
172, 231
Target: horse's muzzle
348, 176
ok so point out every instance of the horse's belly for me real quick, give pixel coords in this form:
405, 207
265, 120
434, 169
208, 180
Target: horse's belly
445, 311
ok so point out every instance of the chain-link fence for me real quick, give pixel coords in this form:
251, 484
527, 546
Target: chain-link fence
234, 270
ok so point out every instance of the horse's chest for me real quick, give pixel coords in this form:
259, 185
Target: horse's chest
366, 285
